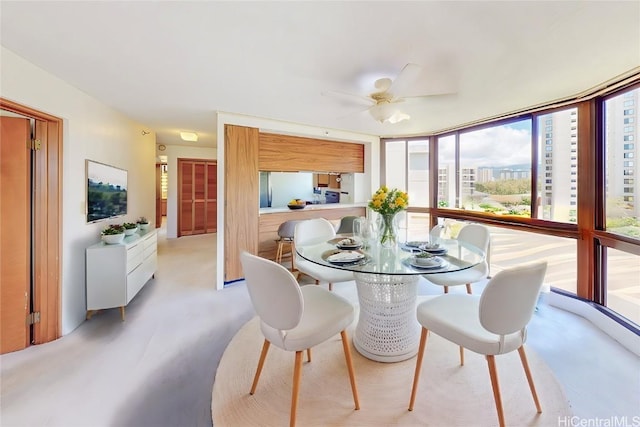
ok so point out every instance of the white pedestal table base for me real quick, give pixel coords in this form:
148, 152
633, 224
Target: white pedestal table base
387, 329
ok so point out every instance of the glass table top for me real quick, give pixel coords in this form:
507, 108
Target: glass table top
450, 255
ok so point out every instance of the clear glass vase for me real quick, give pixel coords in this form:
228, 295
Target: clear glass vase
388, 230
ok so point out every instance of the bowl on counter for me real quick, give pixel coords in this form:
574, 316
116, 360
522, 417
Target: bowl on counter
296, 206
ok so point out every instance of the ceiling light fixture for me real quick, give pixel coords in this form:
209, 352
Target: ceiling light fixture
387, 112
189, 136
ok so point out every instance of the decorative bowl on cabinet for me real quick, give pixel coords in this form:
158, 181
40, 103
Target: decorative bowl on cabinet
113, 239
130, 231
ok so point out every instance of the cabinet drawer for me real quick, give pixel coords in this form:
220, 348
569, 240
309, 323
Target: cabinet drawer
134, 257
135, 281
148, 251
151, 241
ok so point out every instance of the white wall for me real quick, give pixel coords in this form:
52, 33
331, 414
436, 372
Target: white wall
363, 183
91, 130
173, 153
287, 186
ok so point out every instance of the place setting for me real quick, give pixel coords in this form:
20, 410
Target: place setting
349, 243
419, 246
345, 256
426, 261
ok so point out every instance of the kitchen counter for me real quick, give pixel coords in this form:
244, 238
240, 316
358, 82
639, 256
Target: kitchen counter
320, 206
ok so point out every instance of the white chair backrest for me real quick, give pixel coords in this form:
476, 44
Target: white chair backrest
475, 234
436, 232
313, 231
275, 293
509, 300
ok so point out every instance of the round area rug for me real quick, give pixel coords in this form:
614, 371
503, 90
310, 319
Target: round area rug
448, 394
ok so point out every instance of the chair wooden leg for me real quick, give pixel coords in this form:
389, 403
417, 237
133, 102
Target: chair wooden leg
469, 288
330, 286
352, 375
296, 385
493, 373
309, 355
263, 356
461, 356
293, 257
416, 375
446, 289
525, 365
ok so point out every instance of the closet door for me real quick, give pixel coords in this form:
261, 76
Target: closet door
199, 198
212, 197
197, 182
185, 203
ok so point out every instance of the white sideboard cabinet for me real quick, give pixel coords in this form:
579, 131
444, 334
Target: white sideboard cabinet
116, 273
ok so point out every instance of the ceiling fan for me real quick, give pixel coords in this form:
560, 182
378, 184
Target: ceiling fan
385, 103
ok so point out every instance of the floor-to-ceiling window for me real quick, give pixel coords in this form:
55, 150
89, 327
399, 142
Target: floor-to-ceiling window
407, 168
621, 278
520, 176
557, 145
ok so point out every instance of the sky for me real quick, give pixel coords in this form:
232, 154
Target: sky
497, 146
107, 174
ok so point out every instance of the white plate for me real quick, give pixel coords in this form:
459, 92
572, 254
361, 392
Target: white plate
435, 262
435, 251
345, 257
347, 247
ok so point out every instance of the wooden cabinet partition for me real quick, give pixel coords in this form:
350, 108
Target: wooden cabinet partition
198, 204
241, 197
288, 153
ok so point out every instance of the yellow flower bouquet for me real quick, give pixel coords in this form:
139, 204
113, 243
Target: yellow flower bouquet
388, 203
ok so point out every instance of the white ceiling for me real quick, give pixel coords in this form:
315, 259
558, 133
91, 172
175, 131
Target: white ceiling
172, 65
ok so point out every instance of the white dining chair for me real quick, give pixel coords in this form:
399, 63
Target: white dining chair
436, 233
295, 318
478, 236
491, 324
310, 232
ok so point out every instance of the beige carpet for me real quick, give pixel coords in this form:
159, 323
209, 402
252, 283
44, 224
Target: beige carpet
449, 394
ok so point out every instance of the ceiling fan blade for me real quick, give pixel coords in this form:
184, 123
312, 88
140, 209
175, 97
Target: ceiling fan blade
354, 113
351, 98
403, 83
434, 95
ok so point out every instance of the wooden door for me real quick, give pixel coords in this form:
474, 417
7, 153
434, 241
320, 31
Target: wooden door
15, 233
158, 195
46, 222
185, 203
199, 198
212, 197
197, 184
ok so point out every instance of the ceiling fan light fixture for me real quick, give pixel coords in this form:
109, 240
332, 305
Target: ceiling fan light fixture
387, 112
189, 136
397, 117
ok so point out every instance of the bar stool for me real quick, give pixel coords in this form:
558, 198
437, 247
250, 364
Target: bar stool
285, 241
346, 225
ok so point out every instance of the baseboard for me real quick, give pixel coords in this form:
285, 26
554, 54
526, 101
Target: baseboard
626, 337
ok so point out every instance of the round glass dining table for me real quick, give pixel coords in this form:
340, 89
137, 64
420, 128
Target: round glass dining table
387, 285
